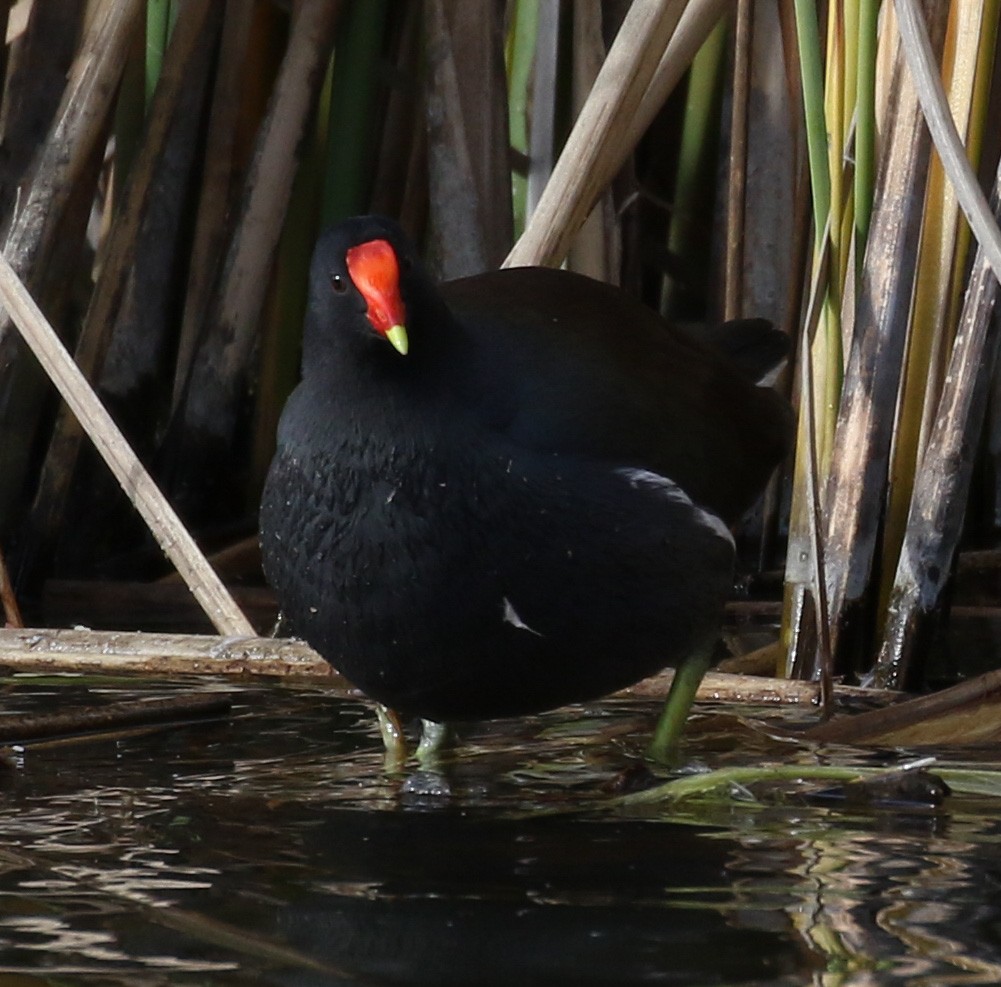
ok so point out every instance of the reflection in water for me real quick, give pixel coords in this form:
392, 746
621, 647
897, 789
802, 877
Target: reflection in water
910, 907
273, 848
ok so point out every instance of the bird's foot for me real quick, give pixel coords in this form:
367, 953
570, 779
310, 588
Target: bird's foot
393, 738
435, 738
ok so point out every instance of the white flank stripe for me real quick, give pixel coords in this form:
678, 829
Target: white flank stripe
638, 478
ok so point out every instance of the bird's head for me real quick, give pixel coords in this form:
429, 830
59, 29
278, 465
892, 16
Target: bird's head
365, 282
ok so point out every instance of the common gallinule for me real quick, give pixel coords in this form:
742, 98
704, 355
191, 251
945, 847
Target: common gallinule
505, 493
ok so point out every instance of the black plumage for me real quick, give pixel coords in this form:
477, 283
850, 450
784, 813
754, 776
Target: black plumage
522, 509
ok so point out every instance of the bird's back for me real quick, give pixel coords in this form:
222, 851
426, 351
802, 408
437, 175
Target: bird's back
564, 363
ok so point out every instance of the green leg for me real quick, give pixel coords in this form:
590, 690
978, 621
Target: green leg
434, 739
393, 738
664, 745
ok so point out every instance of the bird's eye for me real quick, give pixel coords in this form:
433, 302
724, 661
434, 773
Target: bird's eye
338, 283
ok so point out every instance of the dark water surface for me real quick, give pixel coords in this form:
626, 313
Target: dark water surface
273, 848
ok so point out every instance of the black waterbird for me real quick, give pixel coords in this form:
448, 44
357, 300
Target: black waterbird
509, 492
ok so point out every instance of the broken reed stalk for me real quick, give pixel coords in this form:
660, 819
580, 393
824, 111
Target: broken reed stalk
858, 469
41, 651
44, 651
163, 522
962, 714
941, 489
938, 503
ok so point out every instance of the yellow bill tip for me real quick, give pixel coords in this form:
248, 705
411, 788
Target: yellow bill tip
397, 335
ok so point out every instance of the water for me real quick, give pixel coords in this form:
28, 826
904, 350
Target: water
272, 848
